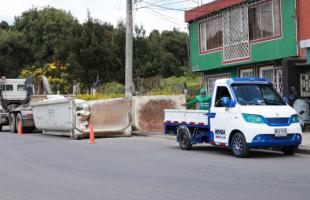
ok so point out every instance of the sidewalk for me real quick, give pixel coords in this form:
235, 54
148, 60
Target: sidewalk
305, 145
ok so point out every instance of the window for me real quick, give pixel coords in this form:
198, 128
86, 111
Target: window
8, 87
221, 92
210, 81
21, 88
264, 20
246, 73
267, 72
211, 34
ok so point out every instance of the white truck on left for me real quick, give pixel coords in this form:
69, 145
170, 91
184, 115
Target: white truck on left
15, 95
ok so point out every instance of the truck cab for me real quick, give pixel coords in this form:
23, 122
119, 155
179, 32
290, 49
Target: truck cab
13, 90
245, 113
14, 99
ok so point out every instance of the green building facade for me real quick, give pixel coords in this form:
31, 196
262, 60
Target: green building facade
242, 38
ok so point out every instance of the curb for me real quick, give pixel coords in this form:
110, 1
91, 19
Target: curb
304, 149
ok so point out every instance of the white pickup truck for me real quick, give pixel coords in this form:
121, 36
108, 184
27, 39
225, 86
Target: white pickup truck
245, 113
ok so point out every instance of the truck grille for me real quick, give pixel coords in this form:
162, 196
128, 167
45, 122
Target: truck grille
277, 121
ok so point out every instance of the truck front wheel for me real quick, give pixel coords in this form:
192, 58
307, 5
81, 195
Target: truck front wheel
12, 121
184, 140
239, 145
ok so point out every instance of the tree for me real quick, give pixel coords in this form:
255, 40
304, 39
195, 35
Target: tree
13, 53
4, 25
93, 51
47, 32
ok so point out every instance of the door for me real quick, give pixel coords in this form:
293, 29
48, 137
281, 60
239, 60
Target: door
221, 124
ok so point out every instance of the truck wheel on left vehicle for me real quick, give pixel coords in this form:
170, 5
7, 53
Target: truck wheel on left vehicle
184, 139
12, 121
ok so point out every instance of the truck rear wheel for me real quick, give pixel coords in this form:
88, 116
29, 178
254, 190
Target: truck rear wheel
239, 146
184, 139
12, 121
0, 128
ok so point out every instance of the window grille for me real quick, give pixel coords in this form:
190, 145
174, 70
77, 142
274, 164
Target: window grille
278, 81
236, 33
305, 85
210, 81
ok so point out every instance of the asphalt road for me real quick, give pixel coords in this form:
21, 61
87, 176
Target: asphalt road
37, 166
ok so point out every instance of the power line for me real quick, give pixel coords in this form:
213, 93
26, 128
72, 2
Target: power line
176, 2
160, 7
163, 16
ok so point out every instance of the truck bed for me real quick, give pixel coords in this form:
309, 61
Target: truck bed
183, 116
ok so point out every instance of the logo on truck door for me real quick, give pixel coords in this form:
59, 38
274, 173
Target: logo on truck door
220, 134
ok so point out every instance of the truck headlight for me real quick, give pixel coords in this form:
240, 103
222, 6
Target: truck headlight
254, 118
294, 119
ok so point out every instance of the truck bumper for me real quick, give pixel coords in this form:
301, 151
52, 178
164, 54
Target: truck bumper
269, 140
263, 136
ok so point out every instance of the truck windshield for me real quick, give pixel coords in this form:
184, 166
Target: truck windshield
257, 94
21, 88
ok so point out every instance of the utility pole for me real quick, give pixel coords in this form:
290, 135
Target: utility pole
128, 70
129, 44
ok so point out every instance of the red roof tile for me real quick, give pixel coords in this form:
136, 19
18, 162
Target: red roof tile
210, 8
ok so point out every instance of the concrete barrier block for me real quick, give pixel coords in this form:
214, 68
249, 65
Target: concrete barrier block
148, 111
110, 117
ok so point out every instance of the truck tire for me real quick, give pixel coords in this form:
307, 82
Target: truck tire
184, 139
24, 129
12, 121
289, 150
75, 136
0, 128
239, 146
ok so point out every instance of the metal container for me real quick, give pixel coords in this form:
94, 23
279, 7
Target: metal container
57, 116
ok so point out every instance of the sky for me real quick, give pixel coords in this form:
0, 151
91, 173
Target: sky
151, 14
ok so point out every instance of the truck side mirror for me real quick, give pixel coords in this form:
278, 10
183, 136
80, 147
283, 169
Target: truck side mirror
285, 99
226, 102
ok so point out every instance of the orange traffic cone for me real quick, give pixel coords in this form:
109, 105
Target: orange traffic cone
20, 128
91, 134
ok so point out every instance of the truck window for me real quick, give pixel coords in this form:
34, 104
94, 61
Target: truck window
257, 94
21, 88
221, 92
8, 87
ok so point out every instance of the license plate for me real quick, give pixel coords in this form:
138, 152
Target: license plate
280, 132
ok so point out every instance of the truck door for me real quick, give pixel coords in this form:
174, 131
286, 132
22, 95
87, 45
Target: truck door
221, 124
